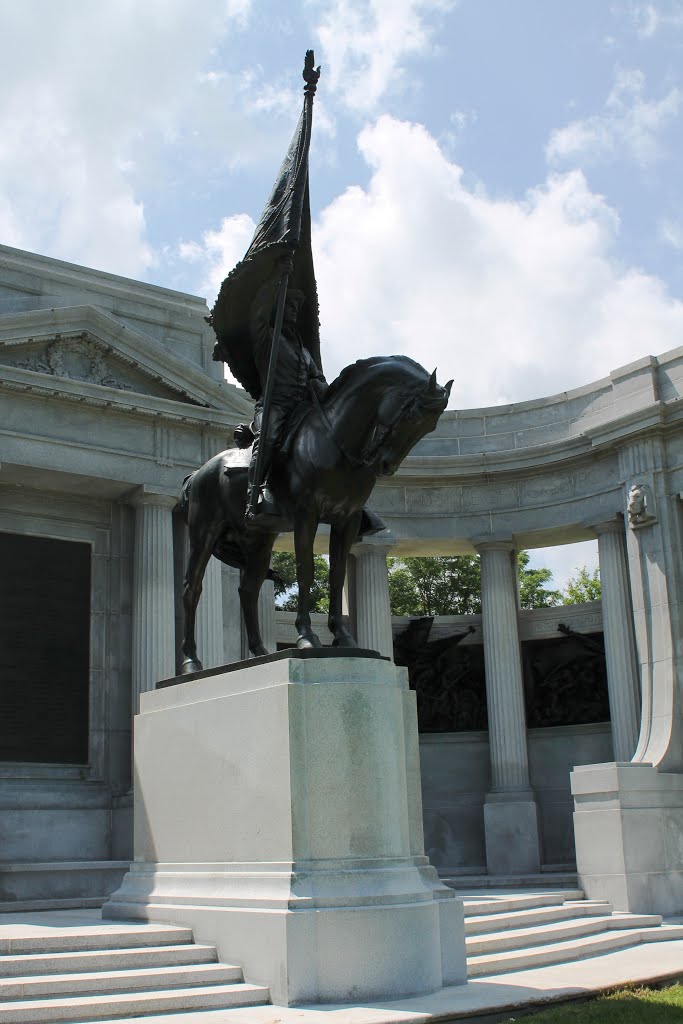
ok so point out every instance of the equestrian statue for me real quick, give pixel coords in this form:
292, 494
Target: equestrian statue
313, 451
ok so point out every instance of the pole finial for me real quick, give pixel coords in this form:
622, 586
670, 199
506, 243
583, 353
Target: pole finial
311, 74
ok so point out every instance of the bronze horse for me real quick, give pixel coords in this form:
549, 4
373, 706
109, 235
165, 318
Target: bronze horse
367, 422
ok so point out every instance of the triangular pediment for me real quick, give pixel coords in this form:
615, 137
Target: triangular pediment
88, 345
83, 357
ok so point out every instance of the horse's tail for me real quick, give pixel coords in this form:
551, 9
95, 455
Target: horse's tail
184, 503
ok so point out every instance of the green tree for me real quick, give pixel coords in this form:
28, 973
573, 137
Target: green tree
585, 586
532, 590
451, 585
284, 562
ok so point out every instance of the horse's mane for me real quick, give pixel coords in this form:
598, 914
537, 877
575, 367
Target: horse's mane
414, 376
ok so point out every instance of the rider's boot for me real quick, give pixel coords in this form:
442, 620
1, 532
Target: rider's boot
267, 510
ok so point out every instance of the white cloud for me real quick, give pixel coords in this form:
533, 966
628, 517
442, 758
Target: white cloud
630, 124
365, 42
514, 299
671, 232
564, 561
218, 252
90, 92
649, 18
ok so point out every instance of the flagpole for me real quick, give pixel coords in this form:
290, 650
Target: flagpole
311, 75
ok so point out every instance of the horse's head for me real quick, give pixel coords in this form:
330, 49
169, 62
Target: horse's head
409, 408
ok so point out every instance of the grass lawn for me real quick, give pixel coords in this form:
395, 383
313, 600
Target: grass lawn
627, 1006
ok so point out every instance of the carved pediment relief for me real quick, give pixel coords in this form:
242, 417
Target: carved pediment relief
82, 357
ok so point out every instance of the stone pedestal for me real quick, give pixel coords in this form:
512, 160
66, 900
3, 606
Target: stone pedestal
278, 813
628, 823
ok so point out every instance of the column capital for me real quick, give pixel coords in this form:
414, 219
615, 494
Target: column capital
493, 544
379, 543
146, 495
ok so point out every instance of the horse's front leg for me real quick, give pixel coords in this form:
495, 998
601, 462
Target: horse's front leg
305, 525
341, 539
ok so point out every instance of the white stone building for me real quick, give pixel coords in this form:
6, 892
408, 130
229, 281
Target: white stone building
109, 398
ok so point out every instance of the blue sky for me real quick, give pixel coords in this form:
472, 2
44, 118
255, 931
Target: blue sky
495, 184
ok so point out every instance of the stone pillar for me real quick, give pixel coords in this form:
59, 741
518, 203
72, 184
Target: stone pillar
510, 814
628, 817
232, 614
620, 648
153, 592
210, 617
266, 617
655, 550
373, 611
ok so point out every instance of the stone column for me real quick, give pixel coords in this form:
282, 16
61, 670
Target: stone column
510, 814
153, 592
210, 617
232, 614
266, 617
620, 648
373, 611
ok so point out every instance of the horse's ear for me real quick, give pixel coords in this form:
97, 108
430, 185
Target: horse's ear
448, 387
431, 387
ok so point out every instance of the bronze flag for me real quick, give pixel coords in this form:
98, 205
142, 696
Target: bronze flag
284, 229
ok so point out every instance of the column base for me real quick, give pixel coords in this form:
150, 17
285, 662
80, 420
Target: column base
628, 822
511, 832
277, 814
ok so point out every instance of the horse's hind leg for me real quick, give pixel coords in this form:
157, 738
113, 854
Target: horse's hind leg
341, 539
201, 547
256, 567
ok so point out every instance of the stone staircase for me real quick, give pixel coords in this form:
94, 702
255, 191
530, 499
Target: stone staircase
514, 932
80, 969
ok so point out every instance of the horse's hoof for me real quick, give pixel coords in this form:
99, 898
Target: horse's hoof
308, 641
344, 641
258, 652
189, 666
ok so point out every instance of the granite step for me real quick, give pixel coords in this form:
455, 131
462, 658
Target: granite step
527, 917
541, 881
127, 980
137, 958
557, 931
88, 937
123, 1005
71, 966
477, 902
567, 951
